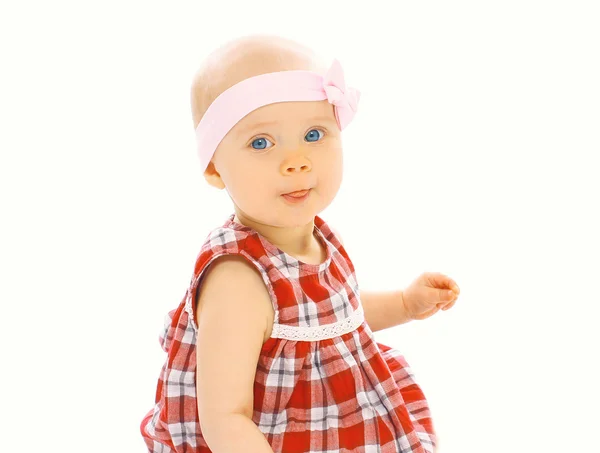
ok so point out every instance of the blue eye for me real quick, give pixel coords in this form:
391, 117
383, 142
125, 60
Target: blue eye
260, 143
313, 135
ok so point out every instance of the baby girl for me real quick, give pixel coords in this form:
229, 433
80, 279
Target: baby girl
271, 348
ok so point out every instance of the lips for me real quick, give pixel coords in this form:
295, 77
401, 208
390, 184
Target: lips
297, 197
299, 193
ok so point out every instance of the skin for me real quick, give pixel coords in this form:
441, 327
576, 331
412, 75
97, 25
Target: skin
256, 179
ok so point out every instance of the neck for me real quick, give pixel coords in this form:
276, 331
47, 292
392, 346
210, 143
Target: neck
296, 240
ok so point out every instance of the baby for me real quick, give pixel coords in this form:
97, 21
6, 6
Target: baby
272, 349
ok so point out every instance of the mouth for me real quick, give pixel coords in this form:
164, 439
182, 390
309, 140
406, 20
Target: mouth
297, 196
298, 193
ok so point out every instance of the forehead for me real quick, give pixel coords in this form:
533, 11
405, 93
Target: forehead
296, 112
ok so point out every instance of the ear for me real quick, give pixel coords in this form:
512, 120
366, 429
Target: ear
213, 177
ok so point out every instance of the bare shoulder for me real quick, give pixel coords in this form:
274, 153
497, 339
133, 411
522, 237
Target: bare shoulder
233, 310
231, 282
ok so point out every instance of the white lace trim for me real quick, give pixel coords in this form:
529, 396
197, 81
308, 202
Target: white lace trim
320, 332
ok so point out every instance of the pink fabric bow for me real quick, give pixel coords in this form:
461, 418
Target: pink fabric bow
344, 99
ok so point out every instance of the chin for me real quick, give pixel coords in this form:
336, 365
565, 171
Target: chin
291, 220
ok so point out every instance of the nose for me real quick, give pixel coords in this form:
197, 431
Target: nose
296, 164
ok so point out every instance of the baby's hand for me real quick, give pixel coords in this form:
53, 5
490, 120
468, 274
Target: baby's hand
428, 293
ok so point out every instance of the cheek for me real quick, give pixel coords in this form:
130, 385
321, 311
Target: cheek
333, 179
248, 186
333, 169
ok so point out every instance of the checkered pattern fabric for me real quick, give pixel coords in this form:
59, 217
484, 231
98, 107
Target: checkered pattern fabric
314, 391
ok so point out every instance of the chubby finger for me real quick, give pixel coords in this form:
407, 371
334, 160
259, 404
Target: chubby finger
441, 281
446, 296
448, 306
440, 296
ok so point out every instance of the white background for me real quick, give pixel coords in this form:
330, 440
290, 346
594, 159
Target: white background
474, 153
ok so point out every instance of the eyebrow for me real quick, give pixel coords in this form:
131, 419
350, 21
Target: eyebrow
251, 127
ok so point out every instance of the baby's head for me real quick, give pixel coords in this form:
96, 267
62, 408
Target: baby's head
278, 148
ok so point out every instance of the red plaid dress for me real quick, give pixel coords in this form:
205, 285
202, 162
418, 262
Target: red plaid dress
323, 384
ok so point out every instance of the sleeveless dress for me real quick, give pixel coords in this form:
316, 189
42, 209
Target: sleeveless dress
322, 384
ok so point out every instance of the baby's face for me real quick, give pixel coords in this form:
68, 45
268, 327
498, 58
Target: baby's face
278, 149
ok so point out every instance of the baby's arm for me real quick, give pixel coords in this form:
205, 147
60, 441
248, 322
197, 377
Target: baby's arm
232, 323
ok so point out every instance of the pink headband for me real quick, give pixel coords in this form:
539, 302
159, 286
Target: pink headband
285, 86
